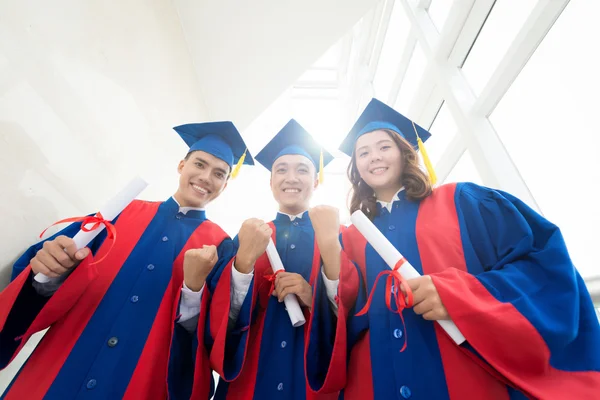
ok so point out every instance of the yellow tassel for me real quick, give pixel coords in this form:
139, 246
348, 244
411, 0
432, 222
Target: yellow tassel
321, 173
426, 160
236, 170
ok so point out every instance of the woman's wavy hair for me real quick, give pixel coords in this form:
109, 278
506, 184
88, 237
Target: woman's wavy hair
415, 181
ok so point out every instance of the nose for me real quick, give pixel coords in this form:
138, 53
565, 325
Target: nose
291, 177
375, 156
204, 175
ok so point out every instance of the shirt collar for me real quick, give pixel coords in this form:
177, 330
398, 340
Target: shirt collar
184, 210
385, 204
290, 216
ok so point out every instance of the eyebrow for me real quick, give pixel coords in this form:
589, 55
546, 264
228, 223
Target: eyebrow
215, 168
379, 142
285, 164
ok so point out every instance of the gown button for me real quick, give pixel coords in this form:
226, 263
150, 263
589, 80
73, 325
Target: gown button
91, 384
391, 227
280, 387
112, 342
405, 392
164, 239
397, 333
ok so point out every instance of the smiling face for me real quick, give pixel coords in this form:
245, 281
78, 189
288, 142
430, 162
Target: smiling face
293, 181
202, 178
379, 163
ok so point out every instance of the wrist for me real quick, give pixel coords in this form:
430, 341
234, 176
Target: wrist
244, 265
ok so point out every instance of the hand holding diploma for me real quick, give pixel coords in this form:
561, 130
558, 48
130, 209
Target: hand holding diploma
63, 253
290, 300
391, 256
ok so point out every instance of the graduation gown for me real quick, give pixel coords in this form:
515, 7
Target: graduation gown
503, 273
262, 355
113, 325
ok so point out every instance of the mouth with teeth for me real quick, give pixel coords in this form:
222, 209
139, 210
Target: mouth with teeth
200, 190
378, 170
291, 190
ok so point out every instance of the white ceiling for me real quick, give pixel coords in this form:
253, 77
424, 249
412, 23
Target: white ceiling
89, 93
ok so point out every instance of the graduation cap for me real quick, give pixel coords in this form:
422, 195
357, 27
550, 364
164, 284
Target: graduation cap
378, 115
220, 139
294, 139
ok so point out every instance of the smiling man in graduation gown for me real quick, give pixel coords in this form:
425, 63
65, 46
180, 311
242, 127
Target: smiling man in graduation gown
257, 351
129, 324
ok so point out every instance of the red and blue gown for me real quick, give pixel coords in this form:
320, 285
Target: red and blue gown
113, 324
261, 355
503, 273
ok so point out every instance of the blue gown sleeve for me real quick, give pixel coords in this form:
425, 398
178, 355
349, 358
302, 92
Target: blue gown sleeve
522, 306
20, 304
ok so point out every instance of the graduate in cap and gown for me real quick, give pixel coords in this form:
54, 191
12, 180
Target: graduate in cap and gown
256, 351
495, 267
126, 314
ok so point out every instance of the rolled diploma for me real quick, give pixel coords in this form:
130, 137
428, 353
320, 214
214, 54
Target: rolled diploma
291, 302
109, 212
391, 255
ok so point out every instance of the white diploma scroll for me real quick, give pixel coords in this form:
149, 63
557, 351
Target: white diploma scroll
109, 212
391, 256
291, 302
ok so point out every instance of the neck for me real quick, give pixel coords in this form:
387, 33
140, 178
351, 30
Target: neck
182, 203
387, 194
292, 210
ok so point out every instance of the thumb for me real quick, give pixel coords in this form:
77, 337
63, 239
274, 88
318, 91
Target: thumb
83, 253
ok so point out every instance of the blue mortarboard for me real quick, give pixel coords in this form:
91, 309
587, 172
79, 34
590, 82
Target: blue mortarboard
378, 115
221, 139
294, 139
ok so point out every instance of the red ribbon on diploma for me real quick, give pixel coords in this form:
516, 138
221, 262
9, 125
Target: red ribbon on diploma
393, 285
270, 278
96, 220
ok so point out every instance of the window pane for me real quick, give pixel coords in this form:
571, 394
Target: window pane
548, 121
442, 131
411, 81
496, 36
464, 170
438, 12
393, 46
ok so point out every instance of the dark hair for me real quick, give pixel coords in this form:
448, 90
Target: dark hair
415, 181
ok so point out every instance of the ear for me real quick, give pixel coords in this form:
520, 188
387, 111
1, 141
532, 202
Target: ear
180, 166
316, 182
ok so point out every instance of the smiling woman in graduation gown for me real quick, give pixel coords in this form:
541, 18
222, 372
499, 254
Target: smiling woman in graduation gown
496, 268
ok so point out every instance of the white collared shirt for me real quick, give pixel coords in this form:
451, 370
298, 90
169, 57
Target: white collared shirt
387, 205
293, 217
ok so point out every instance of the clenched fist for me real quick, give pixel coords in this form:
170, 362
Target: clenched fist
197, 264
57, 256
254, 237
326, 223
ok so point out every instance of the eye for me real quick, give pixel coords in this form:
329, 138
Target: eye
220, 175
303, 171
281, 171
386, 147
199, 165
362, 154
